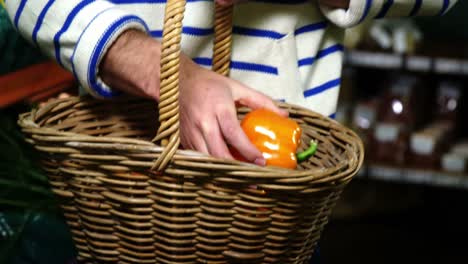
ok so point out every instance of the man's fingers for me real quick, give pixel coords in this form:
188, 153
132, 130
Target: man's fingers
215, 142
235, 136
197, 142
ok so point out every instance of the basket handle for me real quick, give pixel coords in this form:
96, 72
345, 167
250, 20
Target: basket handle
168, 134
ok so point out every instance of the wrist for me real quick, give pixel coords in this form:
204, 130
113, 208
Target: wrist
132, 64
190, 73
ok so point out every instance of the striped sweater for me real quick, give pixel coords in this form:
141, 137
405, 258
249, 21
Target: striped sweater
289, 49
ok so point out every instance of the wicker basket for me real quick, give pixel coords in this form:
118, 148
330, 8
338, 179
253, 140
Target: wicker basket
123, 207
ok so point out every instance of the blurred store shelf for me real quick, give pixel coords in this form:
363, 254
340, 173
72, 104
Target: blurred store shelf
416, 63
414, 176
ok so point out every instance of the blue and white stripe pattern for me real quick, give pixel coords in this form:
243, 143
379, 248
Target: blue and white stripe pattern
411, 8
288, 49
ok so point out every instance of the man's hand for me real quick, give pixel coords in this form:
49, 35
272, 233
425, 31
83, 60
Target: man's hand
336, 3
208, 120
208, 113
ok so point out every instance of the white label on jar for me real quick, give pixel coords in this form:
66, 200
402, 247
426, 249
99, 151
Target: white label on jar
400, 41
386, 132
422, 144
364, 116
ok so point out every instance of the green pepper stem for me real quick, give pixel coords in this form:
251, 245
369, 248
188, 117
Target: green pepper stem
308, 152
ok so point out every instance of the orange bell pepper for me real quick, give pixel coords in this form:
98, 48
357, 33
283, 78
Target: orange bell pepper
277, 137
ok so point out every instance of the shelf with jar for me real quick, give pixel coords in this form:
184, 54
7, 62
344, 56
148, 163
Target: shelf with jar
400, 44
410, 63
412, 125
404, 94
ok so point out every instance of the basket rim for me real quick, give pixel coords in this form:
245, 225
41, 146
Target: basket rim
77, 140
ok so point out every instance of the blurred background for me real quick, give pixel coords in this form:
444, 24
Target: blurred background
403, 91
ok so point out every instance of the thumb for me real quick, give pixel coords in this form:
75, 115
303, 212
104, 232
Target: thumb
253, 99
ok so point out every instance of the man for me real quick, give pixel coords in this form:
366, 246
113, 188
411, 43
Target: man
287, 49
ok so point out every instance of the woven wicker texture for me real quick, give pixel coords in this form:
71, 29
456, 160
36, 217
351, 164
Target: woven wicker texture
123, 207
